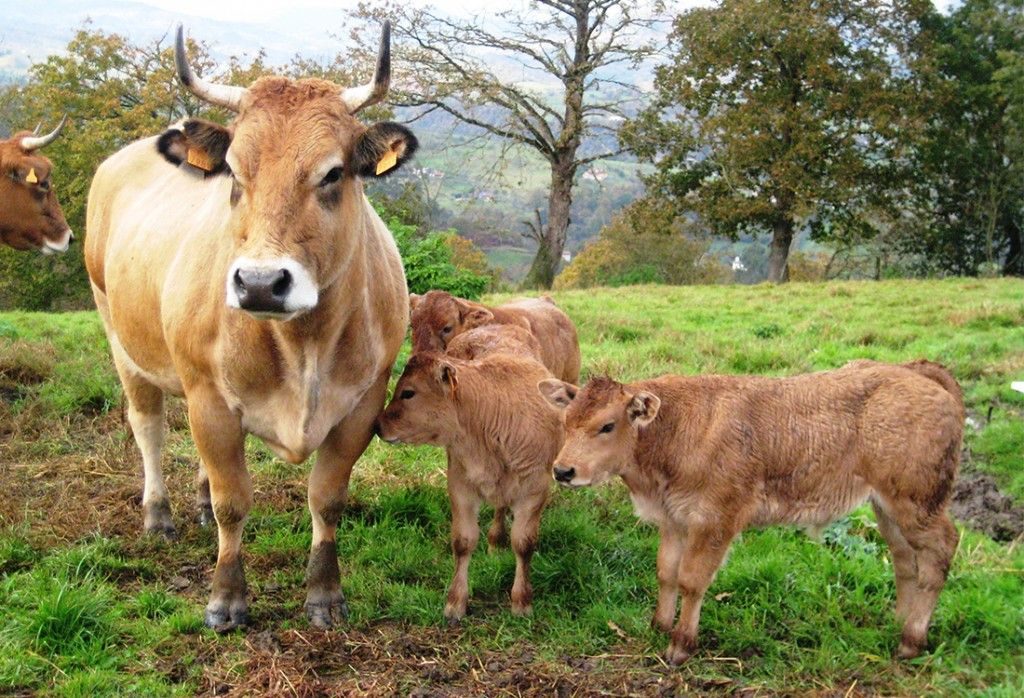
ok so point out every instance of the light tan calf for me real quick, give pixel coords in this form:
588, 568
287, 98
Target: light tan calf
501, 437
438, 317
706, 457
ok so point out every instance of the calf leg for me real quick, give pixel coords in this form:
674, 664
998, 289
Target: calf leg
934, 539
670, 550
904, 562
465, 534
703, 552
220, 440
525, 530
204, 505
497, 534
328, 491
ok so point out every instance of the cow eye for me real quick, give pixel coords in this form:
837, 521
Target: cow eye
607, 428
447, 329
407, 394
331, 177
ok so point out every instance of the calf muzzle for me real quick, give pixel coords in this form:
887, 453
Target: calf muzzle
564, 474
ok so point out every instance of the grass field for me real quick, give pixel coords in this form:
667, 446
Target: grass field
89, 608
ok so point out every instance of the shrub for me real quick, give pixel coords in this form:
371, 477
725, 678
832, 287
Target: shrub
429, 264
643, 244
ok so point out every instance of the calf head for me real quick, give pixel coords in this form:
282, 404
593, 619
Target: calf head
437, 317
422, 410
30, 216
601, 424
296, 156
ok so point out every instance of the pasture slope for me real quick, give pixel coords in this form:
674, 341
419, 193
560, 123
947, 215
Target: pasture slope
90, 609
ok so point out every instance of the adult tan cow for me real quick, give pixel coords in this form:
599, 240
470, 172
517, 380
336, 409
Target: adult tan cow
244, 268
706, 457
30, 215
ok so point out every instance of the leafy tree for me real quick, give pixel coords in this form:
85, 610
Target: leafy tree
550, 79
776, 114
428, 263
970, 202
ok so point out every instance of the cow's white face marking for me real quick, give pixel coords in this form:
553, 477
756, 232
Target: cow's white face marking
285, 301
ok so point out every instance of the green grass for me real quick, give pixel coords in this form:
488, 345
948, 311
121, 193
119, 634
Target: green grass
100, 614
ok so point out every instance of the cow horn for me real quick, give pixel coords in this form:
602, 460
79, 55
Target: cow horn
29, 143
357, 98
227, 96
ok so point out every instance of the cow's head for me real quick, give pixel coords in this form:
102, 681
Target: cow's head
422, 410
437, 317
30, 216
601, 424
296, 155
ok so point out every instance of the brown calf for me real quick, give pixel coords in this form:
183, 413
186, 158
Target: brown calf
707, 457
30, 216
438, 317
501, 437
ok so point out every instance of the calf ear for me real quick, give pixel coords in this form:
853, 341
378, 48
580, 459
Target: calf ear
643, 408
202, 144
382, 149
477, 317
558, 393
414, 300
446, 376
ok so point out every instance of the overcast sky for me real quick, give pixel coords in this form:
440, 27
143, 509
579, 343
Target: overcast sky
260, 11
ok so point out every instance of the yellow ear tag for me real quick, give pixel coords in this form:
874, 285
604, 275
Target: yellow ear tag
199, 158
389, 160
31, 178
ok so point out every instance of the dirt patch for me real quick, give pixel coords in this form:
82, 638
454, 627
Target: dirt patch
978, 502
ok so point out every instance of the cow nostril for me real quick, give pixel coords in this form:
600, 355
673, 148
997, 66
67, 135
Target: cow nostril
564, 474
239, 283
283, 284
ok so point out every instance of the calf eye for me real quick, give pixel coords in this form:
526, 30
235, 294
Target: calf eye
607, 428
331, 177
407, 394
447, 330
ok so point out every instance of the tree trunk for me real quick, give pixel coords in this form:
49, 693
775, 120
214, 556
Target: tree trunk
552, 242
1014, 265
782, 238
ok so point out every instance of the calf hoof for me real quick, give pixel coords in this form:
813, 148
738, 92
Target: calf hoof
522, 609
908, 650
678, 652
327, 612
454, 613
156, 520
224, 619
662, 624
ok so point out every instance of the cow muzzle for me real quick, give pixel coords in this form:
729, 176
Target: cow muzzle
279, 289
51, 247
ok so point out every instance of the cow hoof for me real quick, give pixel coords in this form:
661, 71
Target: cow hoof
453, 621
156, 519
205, 515
224, 620
327, 614
907, 651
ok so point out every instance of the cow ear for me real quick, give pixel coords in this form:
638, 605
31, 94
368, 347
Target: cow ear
643, 408
446, 376
558, 393
382, 149
202, 144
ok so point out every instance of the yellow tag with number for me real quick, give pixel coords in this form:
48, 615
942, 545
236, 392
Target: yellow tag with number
389, 160
31, 178
199, 158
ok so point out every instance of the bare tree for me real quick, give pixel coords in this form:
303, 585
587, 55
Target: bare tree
556, 76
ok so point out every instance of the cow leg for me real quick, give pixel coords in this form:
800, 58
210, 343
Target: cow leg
221, 443
525, 530
933, 538
328, 491
703, 551
670, 551
204, 505
904, 561
465, 534
497, 534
